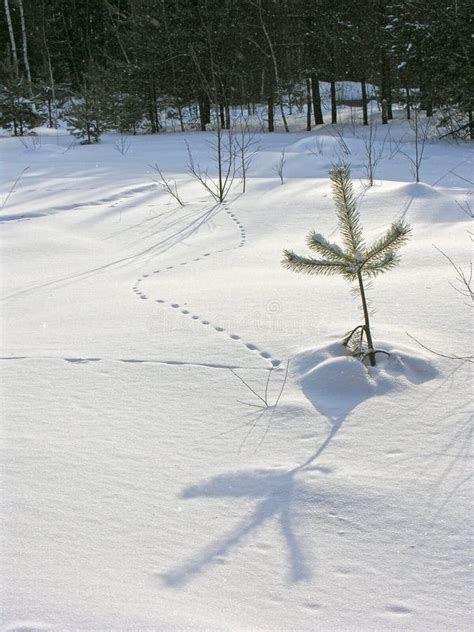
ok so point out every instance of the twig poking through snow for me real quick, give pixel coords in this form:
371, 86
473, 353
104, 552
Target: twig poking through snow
265, 403
167, 185
280, 166
442, 355
13, 187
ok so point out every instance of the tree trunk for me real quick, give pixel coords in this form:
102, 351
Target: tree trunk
429, 107
368, 334
384, 112
50, 112
318, 112
151, 113
12, 40
51, 101
275, 68
25, 48
204, 112
180, 116
385, 89
219, 155
333, 103
365, 112
389, 93
170, 51
152, 118
308, 105
221, 115
407, 92
155, 109
116, 29
471, 124
387, 84
283, 117
271, 105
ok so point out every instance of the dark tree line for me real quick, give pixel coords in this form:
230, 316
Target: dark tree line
133, 58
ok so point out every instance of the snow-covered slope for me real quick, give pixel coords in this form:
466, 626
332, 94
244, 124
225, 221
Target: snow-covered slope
141, 487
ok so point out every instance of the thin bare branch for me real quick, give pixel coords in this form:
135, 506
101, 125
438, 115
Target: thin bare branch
448, 356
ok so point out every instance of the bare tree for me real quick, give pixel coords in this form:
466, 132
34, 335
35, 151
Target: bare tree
344, 151
246, 147
319, 146
463, 283
223, 146
12, 188
466, 207
280, 166
122, 145
421, 128
168, 185
224, 156
373, 152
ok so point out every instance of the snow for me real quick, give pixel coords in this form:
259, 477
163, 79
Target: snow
142, 487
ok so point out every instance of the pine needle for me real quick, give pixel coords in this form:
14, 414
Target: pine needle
346, 209
309, 265
393, 240
325, 248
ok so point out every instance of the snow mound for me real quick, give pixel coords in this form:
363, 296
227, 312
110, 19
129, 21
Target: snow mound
430, 205
335, 382
421, 190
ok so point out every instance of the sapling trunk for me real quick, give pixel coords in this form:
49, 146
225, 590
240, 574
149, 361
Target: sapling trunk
368, 335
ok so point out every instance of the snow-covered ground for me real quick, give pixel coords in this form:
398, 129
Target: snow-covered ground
140, 489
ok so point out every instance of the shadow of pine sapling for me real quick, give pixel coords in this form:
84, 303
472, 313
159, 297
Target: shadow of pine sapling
277, 495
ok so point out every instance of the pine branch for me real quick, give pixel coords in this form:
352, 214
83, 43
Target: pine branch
294, 262
375, 267
394, 238
326, 249
346, 209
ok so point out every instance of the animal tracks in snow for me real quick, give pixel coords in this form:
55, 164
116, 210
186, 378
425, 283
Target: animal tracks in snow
110, 201
187, 312
166, 362
217, 328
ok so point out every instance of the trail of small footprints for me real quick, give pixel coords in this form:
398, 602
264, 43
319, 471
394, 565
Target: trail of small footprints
111, 201
187, 312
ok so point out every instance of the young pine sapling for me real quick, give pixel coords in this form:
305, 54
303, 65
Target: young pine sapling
355, 261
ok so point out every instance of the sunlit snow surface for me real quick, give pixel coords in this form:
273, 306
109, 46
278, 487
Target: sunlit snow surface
142, 487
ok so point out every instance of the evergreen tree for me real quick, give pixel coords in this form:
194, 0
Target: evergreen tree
355, 261
50, 97
158, 53
84, 118
17, 112
128, 113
